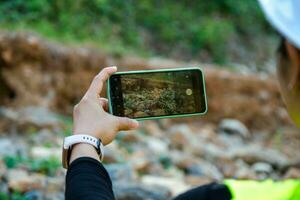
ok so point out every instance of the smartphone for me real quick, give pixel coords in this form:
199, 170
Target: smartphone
156, 94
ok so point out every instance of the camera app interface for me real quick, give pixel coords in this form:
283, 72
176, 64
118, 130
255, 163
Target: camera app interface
161, 93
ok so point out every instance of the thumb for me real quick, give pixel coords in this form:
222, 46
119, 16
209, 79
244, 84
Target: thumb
125, 124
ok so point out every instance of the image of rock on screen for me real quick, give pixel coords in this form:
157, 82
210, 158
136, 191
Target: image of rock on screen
162, 93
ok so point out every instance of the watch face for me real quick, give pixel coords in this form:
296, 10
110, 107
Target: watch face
65, 157
74, 139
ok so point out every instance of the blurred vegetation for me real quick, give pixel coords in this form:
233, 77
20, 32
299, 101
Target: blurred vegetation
187, 28
46, 166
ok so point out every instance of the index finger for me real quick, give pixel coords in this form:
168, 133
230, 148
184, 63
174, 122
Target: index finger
98, 81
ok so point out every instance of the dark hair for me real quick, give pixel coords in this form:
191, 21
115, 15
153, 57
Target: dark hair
282, 51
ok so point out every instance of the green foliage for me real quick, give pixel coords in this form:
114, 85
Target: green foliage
14, 196
68, 124
18, 196
166, 162
46, 166
3, 196
11, 162
166, 101
142, 26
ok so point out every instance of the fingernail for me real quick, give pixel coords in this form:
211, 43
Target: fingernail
114, 67
135, 123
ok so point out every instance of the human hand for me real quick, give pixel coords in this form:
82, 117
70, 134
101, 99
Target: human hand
90, 115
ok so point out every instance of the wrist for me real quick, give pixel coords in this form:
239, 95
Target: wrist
83, 150
80, 145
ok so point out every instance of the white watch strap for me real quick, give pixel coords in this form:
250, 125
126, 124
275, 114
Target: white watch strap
74, 139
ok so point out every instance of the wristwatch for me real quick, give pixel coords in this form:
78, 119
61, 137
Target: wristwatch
75, 139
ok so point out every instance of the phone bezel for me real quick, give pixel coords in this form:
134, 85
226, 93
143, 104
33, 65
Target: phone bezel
160, 70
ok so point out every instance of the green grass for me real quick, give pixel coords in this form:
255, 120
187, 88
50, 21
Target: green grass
18, 196
13, 196
46, 166
3, 196
68, 124
142, 27
165, 161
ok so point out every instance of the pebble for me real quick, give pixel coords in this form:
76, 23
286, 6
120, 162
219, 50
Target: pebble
233, 126
121, 172
31, 115
175, 185
139, 191
7, 147
39, 152
21, 181
152, 129
55, 184
3, 168
254, 153
34, 195
261, 167
181, 136
157, 146
205, 169
39, 116
292, 173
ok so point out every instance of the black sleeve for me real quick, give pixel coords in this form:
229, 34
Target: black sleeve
211, 191
87, 179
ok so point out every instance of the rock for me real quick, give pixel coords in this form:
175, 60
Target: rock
55, 184
36, 71
19, 180
152, 128
197, 180
181, 136
233, 126
34, 195
292, 173
138, 191
39, 116
140, 161
6, 113
207, 132
157, 146
239, 99
181, 159
175, 185
227, 167
121, 172
130, 136
168, 153
158, 168
55, 196
254, 153
195, 166
11, 146
261, 167
7, 147
243, 171
211, 152
28, 117
24, 64
230, 141
39, 152
205, 169
112, 154
3, 169
46, 136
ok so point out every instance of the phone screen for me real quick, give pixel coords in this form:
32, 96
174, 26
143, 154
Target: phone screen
158, 93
